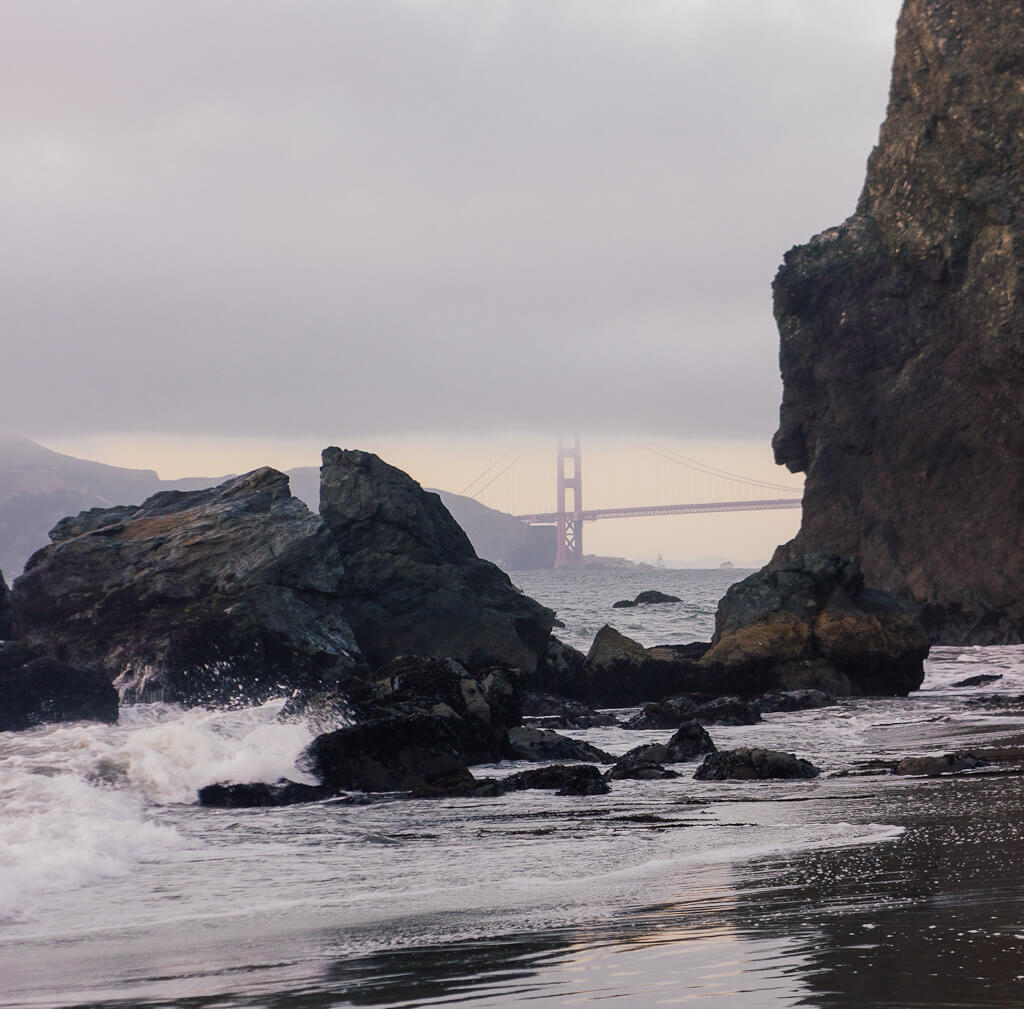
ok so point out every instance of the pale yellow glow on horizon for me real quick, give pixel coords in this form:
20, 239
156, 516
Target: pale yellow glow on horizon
616, 472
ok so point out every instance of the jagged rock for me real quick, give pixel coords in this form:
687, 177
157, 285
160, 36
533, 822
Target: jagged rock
5, 609
388, 755
413, 584
575, 779
813, 624
947, 764
478, 712
690, 740
35, 690
794, 700
527, 743
256, 794
753, 763
200, 597
624, 604
978, 681
727, 711
548, 711
902, 337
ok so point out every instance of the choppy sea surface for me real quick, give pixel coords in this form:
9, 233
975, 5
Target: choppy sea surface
117, 890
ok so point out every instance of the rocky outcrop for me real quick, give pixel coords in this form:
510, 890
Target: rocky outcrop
282, 792
201, 597
813, 624
753, 764
548, 711
794, 700
5, 609
35, 690
902, 337
413, 583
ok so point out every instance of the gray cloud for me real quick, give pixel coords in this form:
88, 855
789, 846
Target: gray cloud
373, 216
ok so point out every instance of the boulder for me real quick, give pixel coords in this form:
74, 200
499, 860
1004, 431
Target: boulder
204, 597
727, 711
620, 672
575, 779
794, 700
283, 792
35, 690
5, 609
561, 671
478, 712
394, 754
413, 583
689, 741
753, 763
902, 337
640, 765
527, 743
813, 624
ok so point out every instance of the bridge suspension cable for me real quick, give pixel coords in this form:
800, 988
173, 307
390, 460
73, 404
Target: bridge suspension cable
707, 470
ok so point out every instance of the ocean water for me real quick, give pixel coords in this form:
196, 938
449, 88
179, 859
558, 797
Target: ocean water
117, 890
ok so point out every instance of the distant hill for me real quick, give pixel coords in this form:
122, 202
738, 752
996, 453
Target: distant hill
38, 487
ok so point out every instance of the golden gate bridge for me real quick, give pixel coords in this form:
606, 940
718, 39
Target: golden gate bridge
570, 515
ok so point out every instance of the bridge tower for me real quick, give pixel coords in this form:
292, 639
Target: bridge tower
569, 518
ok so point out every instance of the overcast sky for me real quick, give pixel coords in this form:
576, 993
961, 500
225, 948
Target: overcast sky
375, 216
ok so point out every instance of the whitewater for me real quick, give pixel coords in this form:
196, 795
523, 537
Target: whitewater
117, 889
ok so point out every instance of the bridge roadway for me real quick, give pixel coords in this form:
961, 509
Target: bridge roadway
551, 518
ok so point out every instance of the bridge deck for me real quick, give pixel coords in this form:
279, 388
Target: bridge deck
591, 515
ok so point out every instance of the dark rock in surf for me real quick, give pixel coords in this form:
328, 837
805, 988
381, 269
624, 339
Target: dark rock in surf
549, 711
620, 672
813, 624
950, 763
978, 681
5, 609
689, 741
753, 764
527, 743
479, 710
902, 337
388, 755
668, 714
653, 597
224, 595
413, 583
649, 597
574, 779
727, 711
35, 690
794, 700
637, 766
257, 794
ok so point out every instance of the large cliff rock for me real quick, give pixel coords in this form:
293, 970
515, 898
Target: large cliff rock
812, 624
902, 336
200, 597
413, 583
5, 609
